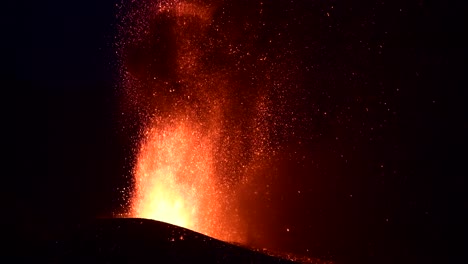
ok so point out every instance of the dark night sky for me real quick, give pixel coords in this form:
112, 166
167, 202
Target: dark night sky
397, 197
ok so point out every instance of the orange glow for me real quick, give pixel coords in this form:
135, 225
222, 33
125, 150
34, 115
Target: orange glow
209, 91
175, 179
177, 175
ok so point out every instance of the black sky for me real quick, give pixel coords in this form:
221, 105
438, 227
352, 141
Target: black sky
396, 198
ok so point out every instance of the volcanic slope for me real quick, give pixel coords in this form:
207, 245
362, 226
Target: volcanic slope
136, 240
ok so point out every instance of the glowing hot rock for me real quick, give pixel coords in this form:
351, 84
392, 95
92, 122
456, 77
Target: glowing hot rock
174, 179
166, 203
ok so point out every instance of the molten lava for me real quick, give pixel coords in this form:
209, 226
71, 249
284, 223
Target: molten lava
166, 189
207, 83
175, 179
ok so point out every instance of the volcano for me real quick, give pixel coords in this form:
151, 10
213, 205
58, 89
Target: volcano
137, 240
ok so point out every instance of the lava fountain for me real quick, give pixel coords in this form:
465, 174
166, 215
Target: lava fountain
175, 178
203, 82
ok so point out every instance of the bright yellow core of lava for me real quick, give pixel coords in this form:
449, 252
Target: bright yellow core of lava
174, 178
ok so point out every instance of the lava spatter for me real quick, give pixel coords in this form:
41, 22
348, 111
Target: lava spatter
203, 79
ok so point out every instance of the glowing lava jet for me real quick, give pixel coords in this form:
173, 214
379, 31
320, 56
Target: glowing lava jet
175, 168
175, 180
201, 79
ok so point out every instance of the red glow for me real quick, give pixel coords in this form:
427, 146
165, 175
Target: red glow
202, 87
176, 181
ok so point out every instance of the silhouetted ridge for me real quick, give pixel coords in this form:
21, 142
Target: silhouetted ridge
135, 240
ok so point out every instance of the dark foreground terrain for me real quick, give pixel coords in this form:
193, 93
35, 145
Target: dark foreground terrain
133, 240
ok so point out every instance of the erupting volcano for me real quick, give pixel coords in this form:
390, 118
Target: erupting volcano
175, 180
203, 78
